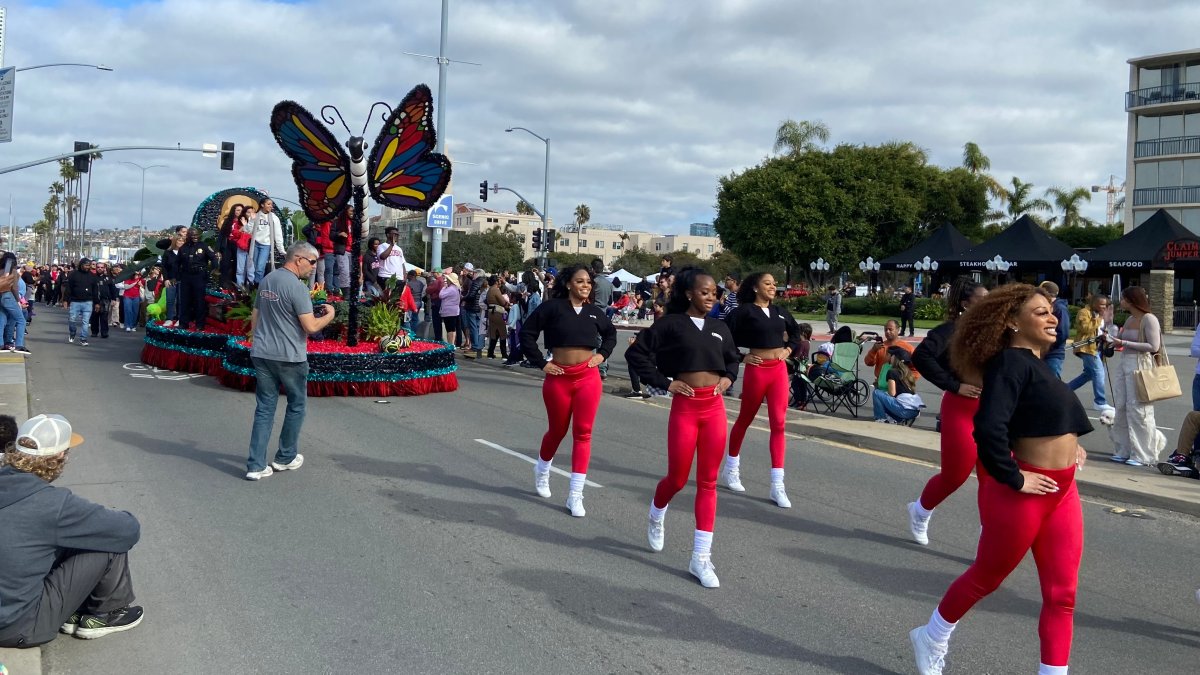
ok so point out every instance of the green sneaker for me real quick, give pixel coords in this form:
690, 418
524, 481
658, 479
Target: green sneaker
70, 625
93, 626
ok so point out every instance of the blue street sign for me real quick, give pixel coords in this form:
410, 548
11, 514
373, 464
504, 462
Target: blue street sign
441, 214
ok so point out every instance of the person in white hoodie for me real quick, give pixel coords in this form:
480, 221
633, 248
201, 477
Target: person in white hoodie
266, 234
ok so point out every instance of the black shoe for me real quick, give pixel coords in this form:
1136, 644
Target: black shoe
511, 364
83, 343
636, 394
527, 364
23, 350
94, 626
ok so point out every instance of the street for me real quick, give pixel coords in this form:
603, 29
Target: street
411, 542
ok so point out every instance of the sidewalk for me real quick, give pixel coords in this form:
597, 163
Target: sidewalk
14, 400
1099, 478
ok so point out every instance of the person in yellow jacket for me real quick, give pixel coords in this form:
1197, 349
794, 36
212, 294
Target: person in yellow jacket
1088, 324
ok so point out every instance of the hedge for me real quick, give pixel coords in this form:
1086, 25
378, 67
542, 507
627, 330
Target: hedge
872, 305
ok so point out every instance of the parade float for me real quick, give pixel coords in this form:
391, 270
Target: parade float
364, 351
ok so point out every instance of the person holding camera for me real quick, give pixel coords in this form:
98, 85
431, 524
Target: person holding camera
280, 324
877, 355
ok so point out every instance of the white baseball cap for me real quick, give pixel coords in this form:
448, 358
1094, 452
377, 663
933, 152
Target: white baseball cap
45, 436
469, 266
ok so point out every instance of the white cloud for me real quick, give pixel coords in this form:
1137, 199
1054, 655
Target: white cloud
647, 103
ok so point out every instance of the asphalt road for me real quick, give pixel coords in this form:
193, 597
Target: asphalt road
405, 546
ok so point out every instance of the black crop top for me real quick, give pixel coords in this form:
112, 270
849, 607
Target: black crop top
1022, 399
563, 327
676, 345
753, 328
932, 358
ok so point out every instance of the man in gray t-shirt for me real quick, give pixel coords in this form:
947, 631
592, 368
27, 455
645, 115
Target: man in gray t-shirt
282, 320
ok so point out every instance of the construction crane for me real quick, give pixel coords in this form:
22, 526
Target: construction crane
1113, 190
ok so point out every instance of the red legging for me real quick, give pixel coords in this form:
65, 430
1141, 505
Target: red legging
696, 427
959, 454
770, 380
571, 400
1013, 522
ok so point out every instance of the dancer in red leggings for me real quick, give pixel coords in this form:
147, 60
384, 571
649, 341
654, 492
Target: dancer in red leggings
1027, 432
759, 326
573, 325
694, 358
959, 403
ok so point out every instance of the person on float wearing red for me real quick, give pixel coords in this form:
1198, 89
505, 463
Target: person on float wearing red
759, 326
573, 324
694, 357
959, 404
1027, 431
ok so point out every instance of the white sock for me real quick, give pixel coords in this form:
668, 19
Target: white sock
657, 513
922, 511
543, 465
939, 629
577, 480
1044, 669
702, 543
732, 462
777, 476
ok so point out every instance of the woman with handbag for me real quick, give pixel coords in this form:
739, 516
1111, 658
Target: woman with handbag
1136, 439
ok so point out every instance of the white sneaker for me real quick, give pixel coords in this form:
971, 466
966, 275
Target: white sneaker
931, 657
917, 525
657, 534
259, 475
541, 482
71, 340
575, 504
732, 477
779, 496
702, 568
296, 463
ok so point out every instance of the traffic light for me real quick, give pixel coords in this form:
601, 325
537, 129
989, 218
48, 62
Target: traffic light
82, 162
551, 240
483, 191
226, 156
537, 239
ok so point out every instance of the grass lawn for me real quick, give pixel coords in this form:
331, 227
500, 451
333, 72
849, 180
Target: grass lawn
818, 320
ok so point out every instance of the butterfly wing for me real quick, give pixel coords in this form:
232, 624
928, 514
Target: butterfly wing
403, 171
320, 165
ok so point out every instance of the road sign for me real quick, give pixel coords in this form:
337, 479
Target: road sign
441, 214
8, 84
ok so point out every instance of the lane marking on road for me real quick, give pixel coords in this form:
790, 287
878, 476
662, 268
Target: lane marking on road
531, 460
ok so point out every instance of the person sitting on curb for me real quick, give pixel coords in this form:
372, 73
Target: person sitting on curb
1185, 461
64, 563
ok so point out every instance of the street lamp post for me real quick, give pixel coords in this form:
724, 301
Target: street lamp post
99, 66
998, 266
925, 265
545, 194
1073, 266
821, 266
142, 210
871, 267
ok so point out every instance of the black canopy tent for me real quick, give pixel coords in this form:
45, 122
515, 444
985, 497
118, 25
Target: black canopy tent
1025, 244
1158, 243
944, 244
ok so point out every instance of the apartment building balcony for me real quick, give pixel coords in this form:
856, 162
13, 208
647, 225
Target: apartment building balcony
1179, 145
1186, 94
1186, 194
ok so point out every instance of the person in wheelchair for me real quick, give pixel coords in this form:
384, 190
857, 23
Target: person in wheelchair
899, 402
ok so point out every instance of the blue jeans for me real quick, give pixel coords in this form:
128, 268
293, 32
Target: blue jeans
887, 406
1196, 392
261, 254
14, 320
81, 312
1056, 364
471, 318
172, 292
1094, 370
132, 305
270, 376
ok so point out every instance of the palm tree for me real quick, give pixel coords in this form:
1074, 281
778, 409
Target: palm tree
524, 208
978, 164
582, 215
1019, 203
796, 138
1068, 203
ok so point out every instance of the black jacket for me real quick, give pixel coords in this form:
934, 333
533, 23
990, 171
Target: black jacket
82, 287
195, 258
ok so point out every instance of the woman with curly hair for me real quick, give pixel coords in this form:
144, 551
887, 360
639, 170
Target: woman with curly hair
759, 326
959, 403
1136, 439
1027, 432
693, 356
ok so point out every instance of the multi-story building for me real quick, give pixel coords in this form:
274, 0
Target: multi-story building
703, 247
1163, 146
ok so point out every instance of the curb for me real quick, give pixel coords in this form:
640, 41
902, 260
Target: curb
14, 400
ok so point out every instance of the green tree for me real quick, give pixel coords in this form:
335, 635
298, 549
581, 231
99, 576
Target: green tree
490, 251
637, 261
1089, 236
561, 259
795, 138
583, 214
1019, 202
978, 165
524, 208
1068, 202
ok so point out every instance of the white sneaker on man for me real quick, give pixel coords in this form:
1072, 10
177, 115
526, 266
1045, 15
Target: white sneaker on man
657, 534
779, 496
541, 482
918, 525
259, 475
575, 504
296, 463
930, 656
702, 568
732, 478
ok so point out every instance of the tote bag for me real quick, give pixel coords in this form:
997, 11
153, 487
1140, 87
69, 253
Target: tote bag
1155, 377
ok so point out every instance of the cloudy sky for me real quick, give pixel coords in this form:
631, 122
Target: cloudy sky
647, 103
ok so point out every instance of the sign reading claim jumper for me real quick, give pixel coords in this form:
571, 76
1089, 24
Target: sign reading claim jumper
402, 171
